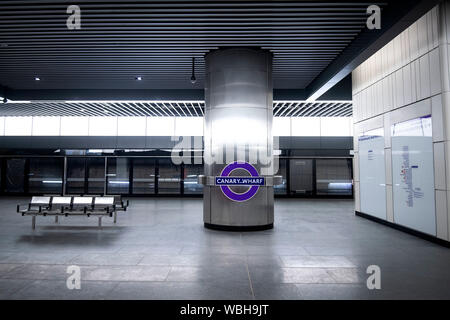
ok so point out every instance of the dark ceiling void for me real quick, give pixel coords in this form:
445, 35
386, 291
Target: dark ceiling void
315, 44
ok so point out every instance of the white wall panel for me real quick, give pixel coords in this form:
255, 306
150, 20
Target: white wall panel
438, 118
160, 126
413, 41
407, 84
18, 126
441, 215
103, 126
439, 165
425, 89
435, 72
189, 126
74, 126
304, 127
2, 126
46, 126
281, 126
131, 126
422, 35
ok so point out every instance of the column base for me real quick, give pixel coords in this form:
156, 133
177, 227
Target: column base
238, 228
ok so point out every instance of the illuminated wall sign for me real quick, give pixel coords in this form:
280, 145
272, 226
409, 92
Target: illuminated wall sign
372, 185
253, 181
413, 174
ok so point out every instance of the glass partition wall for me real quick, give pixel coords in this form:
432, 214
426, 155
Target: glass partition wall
158, 176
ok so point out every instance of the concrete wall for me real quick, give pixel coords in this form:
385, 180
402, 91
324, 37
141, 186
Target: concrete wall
406, 79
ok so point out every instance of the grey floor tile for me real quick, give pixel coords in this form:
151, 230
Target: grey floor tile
316, 261
159, 249
113, 259
57, 289
181, 291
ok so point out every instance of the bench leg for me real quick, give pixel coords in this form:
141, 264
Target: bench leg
33, 222
56, 219
115, 216
99, 221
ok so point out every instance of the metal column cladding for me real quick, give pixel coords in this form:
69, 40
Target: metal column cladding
239, 162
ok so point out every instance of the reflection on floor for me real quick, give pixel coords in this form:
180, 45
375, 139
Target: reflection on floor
160, 250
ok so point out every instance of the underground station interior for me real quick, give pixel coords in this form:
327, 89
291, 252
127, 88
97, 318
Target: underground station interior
224, 150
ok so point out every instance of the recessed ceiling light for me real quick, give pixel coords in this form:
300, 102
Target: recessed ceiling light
138, 78
37, 79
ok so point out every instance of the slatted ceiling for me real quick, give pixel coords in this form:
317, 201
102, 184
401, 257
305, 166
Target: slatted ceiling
120, 40
164, 108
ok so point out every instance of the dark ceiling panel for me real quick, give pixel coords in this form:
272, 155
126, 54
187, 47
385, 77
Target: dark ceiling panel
120, 40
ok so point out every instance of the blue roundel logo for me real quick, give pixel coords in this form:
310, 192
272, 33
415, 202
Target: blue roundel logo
253, 181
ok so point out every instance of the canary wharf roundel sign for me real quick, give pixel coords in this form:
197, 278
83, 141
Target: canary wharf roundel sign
253, 181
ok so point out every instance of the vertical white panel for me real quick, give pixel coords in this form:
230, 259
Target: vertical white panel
425, 90
390, 60
397, 44
46, 126
334, 127
414, 80
103, 126
439, 165
422, 35
356, 166
301, 127
413, 41
357, 197
369, 102
372, 174
131, 126
413, 175
379, 63
388, 164
18, 126
385, 94
389, 204
281, 126
355, 107
434, 26
387, 130
2, 126
445, 66
429, 30
435, 72
441, 214
406, 47
363, 105
407, 84
161, 126
399, 92
189, 126
74, 126
437, 118
379, 98
384, 61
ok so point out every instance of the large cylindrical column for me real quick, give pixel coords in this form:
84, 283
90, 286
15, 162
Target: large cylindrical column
238, 191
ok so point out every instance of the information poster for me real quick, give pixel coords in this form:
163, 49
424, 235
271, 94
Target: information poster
372, 173
413, 175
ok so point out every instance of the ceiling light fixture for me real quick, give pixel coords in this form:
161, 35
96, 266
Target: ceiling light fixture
37, 79
139, 78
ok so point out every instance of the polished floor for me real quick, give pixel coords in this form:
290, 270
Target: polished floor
159, 250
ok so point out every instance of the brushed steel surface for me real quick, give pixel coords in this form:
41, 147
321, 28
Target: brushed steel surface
238, 127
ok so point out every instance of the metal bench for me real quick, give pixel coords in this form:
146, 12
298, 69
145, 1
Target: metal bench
70, 206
